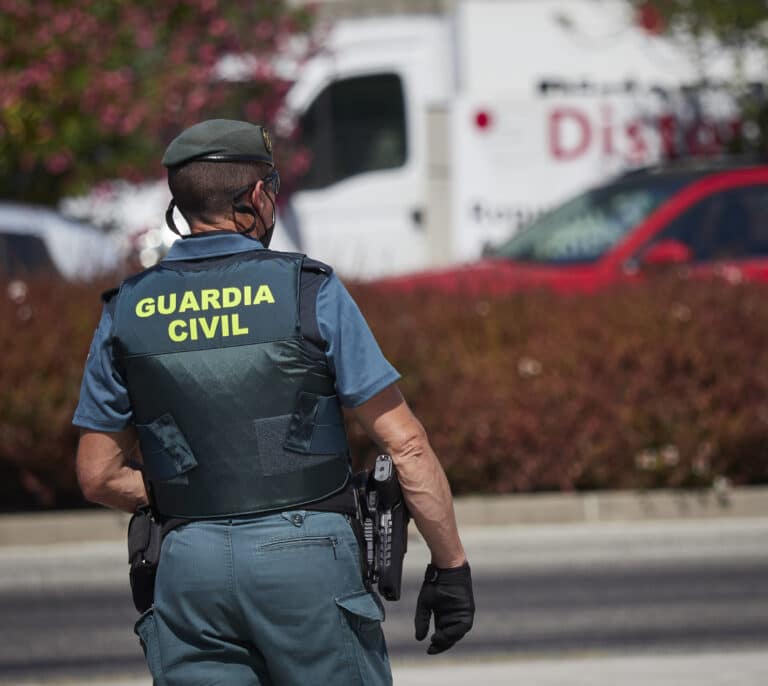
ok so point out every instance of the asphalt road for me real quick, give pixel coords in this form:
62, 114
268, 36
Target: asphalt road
607, 589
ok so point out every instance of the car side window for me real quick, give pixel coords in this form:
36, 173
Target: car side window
727, 225
354, 126
23, 254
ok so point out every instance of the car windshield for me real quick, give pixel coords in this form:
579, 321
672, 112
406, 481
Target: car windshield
585, 228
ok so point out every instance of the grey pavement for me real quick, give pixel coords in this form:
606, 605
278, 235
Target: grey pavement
491, 550
75, 550
727, 669
502, 510
495, 550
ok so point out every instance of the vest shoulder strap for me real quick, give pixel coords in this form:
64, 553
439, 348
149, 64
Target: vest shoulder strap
316, 266
109, 299
313, 275
307, 263
108, 295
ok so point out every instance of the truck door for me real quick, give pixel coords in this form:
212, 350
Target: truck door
356, 207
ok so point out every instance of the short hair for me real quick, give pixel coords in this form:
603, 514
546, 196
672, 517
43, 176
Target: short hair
204, 189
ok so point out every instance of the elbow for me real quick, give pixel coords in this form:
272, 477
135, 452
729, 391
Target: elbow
411, 445
92, 485
92, 490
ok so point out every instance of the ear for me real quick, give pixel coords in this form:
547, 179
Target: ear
257, 194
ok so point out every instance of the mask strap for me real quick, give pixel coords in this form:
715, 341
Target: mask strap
267, 237
242, 208
169, 218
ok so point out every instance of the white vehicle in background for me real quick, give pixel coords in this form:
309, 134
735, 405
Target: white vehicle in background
37, 239
432, 135
134, 212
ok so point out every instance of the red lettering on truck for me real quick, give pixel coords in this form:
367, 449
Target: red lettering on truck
561, 117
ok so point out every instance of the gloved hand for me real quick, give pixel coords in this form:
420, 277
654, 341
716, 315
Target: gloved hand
447, 593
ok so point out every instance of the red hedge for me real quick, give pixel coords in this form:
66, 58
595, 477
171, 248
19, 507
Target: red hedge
45, 337
656, 385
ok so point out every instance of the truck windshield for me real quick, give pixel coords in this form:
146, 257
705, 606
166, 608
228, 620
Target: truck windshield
354, 126
585, 228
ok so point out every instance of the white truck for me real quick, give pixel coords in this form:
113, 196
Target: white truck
432, 135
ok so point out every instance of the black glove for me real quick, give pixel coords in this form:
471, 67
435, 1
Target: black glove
447, 593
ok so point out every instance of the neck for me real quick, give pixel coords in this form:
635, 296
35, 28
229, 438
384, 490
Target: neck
206, 228
201, 229
224, 224
211, 223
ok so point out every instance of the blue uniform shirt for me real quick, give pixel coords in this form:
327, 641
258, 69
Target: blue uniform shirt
354, 358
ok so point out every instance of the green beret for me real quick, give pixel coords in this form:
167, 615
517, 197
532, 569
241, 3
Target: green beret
222, 140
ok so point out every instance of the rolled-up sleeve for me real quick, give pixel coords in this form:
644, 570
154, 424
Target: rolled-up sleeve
104, 403
354, 357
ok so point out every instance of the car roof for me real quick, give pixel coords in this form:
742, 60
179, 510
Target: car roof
78, 250
692, 168
32, 219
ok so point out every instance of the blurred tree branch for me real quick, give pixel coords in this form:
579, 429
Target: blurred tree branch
737, 26
735, 23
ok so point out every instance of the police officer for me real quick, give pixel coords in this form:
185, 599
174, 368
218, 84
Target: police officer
216, 382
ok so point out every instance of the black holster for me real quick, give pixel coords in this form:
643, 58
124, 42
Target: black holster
145, 537
382, 527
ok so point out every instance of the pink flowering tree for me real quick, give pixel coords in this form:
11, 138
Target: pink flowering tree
95, 89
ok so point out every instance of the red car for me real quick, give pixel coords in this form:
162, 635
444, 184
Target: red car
706, 217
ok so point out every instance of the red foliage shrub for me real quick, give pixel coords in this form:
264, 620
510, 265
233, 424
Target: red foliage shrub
658, 385
46, 330
646, 386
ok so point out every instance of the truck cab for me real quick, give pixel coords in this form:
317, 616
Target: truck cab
360, 107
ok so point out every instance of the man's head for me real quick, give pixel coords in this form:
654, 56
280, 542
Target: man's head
220, 170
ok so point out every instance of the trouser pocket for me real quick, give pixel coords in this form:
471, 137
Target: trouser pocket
361, 616
146, 629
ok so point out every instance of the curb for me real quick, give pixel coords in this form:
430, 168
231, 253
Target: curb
73, 526
63, 526
612, 506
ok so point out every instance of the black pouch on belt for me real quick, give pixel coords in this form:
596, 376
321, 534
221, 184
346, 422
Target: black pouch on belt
145, 535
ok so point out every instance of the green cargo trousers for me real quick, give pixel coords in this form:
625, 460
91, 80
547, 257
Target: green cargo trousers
276, 600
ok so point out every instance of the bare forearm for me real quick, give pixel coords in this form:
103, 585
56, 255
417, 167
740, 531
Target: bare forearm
124, 490
104, 470
387, 419
428, 495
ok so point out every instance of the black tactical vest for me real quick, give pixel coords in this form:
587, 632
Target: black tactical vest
234, 413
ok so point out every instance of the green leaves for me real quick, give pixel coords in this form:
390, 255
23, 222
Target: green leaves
733, 23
